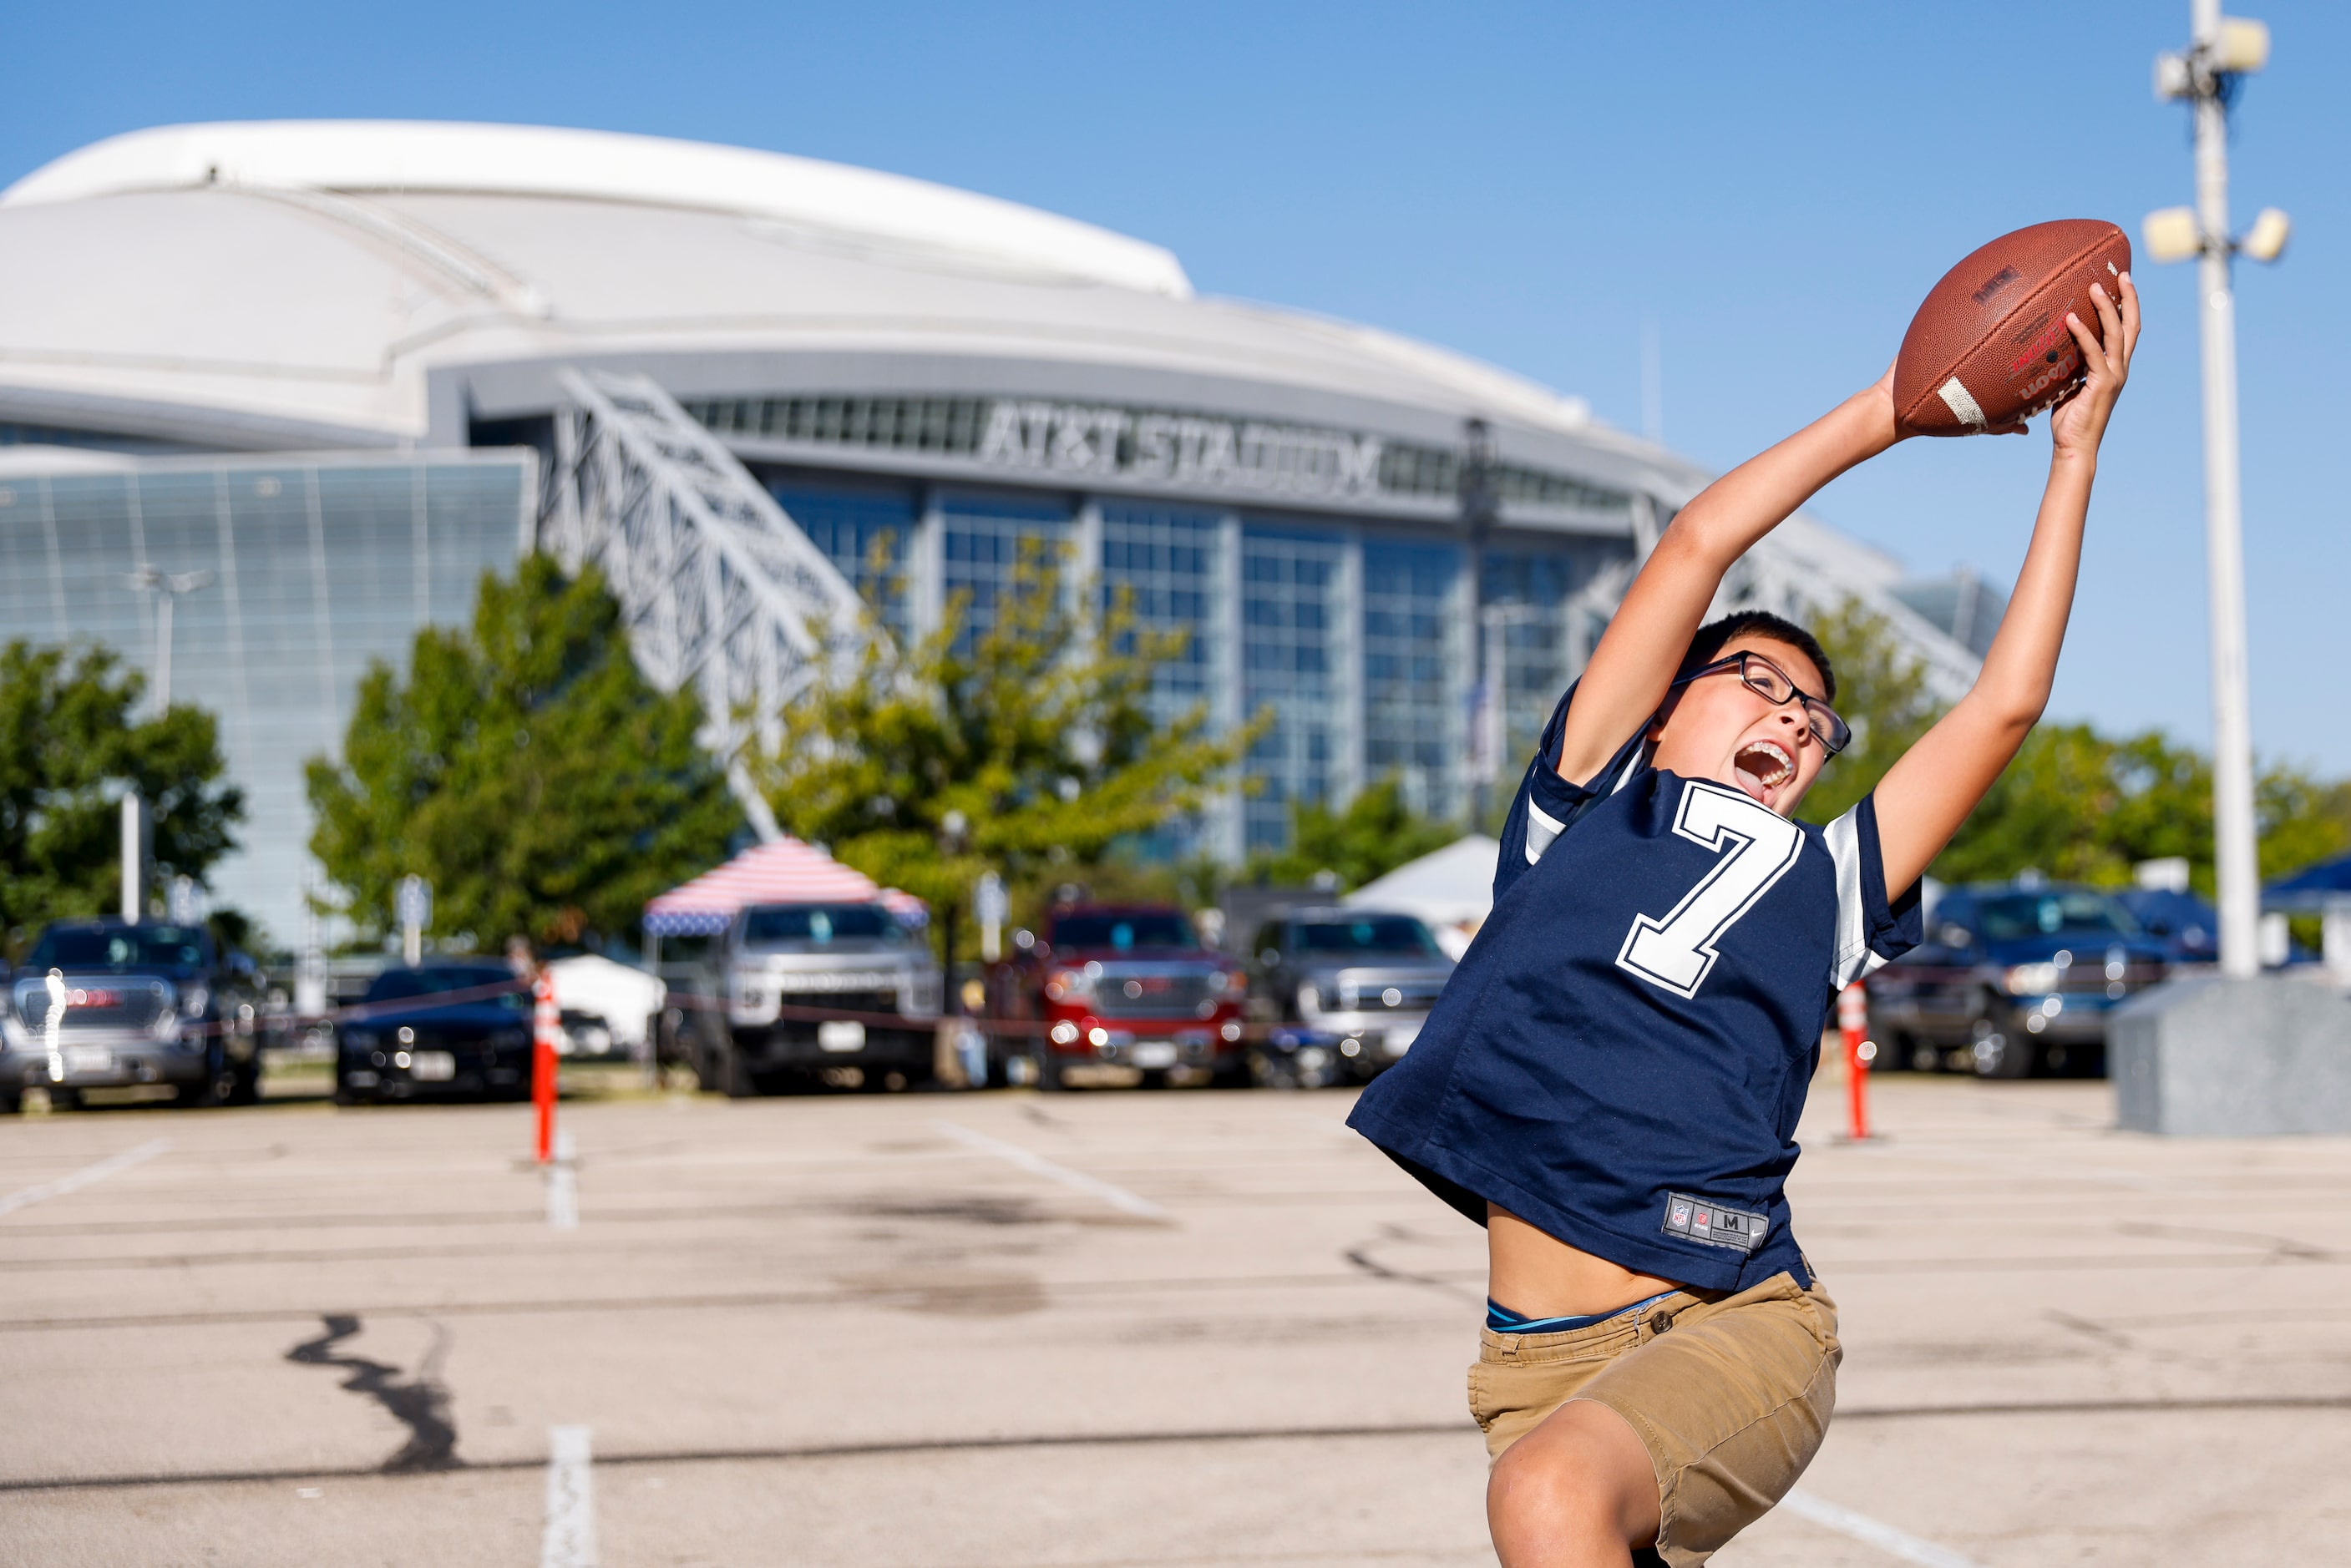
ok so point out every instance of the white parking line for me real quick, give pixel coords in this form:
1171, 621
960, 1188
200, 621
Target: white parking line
1884, 1537
1118, 1198
563, 1184
569, 1538
25, 1197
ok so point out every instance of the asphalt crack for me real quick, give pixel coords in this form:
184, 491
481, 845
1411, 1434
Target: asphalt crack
420, 1403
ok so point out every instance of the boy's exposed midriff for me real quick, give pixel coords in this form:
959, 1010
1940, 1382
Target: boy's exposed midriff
1534, 1273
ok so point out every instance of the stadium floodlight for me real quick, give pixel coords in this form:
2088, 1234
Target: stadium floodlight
2224, 49
2173, 77
2240, 46
2172, 234
2266, 240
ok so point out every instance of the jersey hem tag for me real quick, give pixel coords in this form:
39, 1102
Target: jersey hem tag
1704, 1221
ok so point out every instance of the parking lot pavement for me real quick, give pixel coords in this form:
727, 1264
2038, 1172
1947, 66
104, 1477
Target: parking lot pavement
1130, 1328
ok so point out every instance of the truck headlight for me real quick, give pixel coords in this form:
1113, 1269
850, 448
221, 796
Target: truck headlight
2030, 979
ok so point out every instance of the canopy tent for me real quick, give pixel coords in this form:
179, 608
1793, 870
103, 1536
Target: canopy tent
2311, 890
625, 997
784, 872
1451, 889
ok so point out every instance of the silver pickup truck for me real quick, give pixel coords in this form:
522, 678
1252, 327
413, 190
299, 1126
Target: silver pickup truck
812, 990
1345, 990
103, 1004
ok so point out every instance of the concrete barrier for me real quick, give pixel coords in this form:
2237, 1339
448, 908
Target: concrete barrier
2232, 1058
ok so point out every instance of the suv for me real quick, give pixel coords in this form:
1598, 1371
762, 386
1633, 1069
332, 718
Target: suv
1353, 987
449, 1026
1126, 985
130, 1004
2012, 980
787, 965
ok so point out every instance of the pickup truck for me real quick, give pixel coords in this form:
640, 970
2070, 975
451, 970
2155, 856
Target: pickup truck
108, 1004
813, 991
1126, 987
1348, 989
2013, 981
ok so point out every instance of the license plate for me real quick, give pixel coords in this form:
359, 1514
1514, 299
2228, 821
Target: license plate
88, 1059
432, 1066
1156, 1053
1396, 1042
841, 1035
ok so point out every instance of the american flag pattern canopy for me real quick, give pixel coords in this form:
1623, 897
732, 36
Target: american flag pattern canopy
784, 872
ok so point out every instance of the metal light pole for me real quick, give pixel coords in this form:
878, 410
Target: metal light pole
167, 586
2224, 50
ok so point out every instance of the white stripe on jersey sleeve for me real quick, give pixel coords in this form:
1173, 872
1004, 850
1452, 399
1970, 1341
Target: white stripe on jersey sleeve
1542, 827
1854, 957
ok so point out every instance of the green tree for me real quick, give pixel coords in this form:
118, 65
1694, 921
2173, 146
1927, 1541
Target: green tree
69, 748
1881, 693
1038, 729
1375, 833
525, 768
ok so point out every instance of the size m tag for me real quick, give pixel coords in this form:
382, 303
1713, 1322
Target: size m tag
1703, 1219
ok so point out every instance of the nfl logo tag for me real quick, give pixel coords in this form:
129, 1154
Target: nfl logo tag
1681, 1216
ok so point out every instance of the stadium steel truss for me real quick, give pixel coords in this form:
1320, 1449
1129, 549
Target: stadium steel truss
720, 591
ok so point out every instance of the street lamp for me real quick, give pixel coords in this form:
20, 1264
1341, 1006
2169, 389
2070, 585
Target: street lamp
167, 586
2224, 50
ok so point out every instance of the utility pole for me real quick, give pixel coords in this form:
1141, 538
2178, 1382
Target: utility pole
2223, 51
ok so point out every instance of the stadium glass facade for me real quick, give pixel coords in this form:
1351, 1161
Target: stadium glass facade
1351, 636
306, 571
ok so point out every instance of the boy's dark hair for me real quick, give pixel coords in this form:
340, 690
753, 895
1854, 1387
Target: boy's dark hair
1711, 638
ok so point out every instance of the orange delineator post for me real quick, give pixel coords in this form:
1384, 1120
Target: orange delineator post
547, 1022
1853, 1022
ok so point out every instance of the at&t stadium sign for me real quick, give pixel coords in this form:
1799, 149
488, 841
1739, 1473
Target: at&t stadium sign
1185, 450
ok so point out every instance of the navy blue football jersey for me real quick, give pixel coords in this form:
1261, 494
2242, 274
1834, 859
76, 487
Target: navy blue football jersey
1622, 1055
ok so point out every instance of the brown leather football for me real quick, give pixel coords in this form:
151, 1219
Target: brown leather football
1990, 346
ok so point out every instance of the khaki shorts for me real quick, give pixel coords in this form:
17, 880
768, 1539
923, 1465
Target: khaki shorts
1730, 1394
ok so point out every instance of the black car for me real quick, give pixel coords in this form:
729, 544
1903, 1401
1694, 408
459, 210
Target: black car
111, 1003
2013, 979
446, 1028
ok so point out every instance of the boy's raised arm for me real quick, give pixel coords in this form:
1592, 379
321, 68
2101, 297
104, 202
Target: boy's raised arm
1928, 792
1631, 669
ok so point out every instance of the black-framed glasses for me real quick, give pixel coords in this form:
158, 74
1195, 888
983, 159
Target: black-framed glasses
1771, 683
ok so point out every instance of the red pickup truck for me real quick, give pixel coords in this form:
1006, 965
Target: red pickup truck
1122, 986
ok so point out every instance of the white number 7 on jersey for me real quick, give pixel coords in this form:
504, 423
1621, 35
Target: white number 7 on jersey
1677, 952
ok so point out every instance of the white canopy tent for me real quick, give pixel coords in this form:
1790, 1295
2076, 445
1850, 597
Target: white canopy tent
1451, 889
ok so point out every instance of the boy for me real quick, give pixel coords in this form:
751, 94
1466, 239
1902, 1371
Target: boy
1612, 1080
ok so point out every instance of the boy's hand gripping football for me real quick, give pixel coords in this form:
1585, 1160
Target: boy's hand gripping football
2079, 423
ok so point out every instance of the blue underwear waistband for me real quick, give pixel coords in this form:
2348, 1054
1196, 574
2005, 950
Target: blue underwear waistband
1502, 1319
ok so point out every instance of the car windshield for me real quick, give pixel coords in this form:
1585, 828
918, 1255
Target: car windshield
819, 924
1374, 934
2016, 916
1121, 932
124, 947
399, 984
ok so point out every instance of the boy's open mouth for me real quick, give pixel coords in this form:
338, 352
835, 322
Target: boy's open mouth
1763, 766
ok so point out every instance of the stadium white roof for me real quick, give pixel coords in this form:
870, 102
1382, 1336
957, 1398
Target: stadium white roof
297, 278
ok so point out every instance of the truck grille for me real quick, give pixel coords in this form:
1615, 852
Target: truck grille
96, 1002
1144, 990
1370, 992
840, 1002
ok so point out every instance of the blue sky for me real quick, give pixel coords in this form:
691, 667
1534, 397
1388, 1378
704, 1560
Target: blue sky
1774, 187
